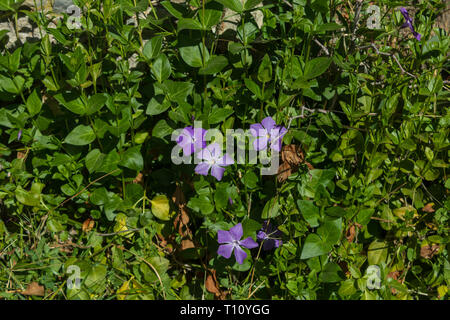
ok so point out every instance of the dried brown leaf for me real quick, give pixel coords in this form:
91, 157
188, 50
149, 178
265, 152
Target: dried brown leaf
34, 289
428, 208
429, 251
88, 225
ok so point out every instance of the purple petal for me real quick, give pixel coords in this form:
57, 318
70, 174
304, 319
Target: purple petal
261, 143
226, 160
257, 130
237, 232
240, 255
268, 123
217, 172
278, 243
261, 235
225, 250
417, 35
248, 243
199, 138
224, 236
202, 168
19, 135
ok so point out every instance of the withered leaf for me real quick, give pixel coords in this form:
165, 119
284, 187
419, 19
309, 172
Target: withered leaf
429, 251
88, 225
428, 208
212, 285
34, 289
350, 233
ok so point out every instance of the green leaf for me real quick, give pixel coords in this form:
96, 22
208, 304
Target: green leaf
34, 103
214, 65
271, 209
80, 136
94, 160
316, 67
189, 24
195, 55
132, 159
72, 102
235, 5
152, 48
161, 68
330, 231
30, 198
377, 252
155, 107
253, 87
161, 129
309, 211
211, 15
314, 246
250, 4
331, 273
265, 69
201, 204
219, 115
178, 91
95, 103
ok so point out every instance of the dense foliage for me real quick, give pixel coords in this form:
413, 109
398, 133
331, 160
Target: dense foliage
87, 182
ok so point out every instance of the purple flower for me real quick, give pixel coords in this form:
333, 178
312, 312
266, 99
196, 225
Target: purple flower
191, 140
267, 132
213, 159
230, 201
231, 240
409, 23
270, 236
19, 135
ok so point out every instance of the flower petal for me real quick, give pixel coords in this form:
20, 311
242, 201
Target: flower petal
261, 143
257, 130
226, 160
224, 236
225, 250
268, 123
248, 243
237, 232
217, 172
202, 168
240, 255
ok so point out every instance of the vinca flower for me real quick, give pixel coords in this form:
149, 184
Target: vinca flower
213, 159
270, 236
191, 140
268, 133
19, 135
231, 240
409, 23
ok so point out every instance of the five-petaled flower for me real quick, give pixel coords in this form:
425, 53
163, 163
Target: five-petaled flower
191, 140
267, 132
231, 240
213, 159
409, 23
270, 235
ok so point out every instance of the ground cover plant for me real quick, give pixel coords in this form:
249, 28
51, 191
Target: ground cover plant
352, 95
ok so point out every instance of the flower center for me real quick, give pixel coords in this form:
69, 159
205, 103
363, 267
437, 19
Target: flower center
235, 243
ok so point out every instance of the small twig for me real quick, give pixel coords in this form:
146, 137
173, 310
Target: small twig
322, 46
116, 233
372, 45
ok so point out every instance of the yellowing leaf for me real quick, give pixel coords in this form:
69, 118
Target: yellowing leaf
400, 212
161, 208
121, 225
